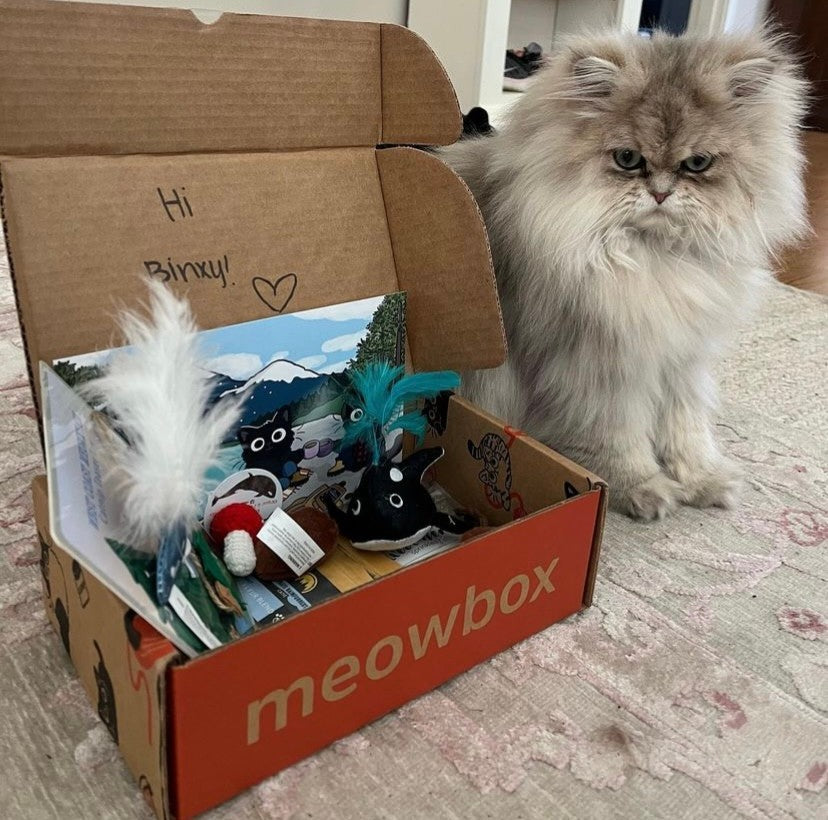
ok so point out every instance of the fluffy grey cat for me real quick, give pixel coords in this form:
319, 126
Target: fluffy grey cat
634, 201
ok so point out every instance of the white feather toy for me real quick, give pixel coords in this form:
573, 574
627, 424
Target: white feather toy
158, 391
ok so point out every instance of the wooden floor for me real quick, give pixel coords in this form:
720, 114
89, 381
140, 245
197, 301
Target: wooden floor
807, 266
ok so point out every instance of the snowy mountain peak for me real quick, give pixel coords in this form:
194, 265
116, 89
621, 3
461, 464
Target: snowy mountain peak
280, 370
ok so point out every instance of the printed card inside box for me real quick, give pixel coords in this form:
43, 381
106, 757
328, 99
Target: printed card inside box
268, 168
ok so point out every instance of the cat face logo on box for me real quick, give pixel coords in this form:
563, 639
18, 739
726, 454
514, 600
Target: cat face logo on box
435, 411
106, 695
59, 608
496, 475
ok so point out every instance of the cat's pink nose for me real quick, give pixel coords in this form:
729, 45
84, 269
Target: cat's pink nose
660, 196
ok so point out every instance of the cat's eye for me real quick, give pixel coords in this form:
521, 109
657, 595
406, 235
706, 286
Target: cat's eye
628, 159
395, 499
697, 164
356, 414
356, 507
278, 435
257, 444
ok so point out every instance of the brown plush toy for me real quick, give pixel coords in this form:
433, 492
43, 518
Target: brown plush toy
233, 532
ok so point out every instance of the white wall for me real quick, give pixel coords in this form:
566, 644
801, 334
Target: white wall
745, 14
532, 21
469, 37
381, 11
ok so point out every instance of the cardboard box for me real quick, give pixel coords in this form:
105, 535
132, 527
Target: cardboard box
141, 142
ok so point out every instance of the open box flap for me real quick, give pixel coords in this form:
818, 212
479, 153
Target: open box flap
97, 79
287, 231
441, 254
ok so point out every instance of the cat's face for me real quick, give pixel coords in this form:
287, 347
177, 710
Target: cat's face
269, 439
687, 139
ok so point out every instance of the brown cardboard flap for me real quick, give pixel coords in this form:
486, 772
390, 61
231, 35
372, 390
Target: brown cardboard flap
442, 259
97, 79
407, 64
246, 236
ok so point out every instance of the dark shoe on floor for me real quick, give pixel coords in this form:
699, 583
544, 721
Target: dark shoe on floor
476, 123
520, 65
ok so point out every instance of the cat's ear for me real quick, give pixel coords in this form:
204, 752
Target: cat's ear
594, 76
750, 78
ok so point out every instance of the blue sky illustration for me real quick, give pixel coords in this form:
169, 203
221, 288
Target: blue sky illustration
323, 340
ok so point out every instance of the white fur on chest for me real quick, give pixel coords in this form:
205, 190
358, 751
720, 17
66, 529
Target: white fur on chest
669, 300
637, 298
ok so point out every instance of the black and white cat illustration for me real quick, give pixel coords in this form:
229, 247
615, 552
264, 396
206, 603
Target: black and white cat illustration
391, 508
61, 615
569, 490
80, 583
269, 446
496, 474
106, 695
436, 412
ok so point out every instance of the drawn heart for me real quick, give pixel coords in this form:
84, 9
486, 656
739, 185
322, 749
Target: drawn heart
276, 295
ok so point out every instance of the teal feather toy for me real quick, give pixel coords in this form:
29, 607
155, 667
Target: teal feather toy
377, 399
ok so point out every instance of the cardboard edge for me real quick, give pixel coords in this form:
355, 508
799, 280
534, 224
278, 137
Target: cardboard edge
168, 727
385, 186
493, 277
597, 541
19, 297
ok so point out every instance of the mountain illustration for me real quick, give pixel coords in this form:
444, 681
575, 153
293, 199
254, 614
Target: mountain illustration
279, 370
277, 384
221, 384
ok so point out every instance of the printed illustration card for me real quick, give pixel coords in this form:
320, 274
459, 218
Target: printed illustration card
291, 372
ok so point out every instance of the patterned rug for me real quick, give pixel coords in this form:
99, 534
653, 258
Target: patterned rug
695, 687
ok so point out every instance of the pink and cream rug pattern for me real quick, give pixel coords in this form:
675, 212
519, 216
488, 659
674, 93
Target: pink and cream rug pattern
695, 687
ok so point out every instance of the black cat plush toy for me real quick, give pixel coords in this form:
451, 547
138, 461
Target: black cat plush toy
392, 509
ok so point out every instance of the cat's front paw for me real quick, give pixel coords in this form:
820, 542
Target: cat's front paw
651, 499
719, 485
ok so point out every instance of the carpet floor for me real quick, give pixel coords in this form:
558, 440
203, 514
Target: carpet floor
695, 687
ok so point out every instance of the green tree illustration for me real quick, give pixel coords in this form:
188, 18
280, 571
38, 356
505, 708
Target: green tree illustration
74, 375
385, 338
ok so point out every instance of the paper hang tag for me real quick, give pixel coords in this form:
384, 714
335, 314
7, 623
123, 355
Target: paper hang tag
186, 611
290, 542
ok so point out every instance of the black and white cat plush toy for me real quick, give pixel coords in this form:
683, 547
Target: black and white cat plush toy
391, 508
